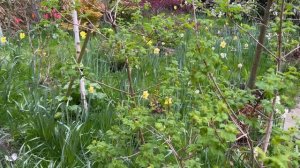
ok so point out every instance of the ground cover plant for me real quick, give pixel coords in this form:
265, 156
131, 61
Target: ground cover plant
148, 84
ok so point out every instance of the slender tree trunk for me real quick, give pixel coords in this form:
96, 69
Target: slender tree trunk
259, 48
1, 33
278, 69
78, 51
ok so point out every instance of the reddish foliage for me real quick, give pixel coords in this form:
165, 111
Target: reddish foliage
173, 5
54, 14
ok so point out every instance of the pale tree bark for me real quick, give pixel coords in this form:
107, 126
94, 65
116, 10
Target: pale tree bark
259, 47
78, 51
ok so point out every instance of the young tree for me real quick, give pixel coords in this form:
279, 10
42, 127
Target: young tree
259, 46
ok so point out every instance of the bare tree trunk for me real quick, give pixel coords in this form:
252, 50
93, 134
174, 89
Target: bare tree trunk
259, 48
1, 33
278, 69
78, 51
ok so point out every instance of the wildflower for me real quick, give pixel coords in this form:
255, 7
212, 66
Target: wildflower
235, 38
223, 44
246, 46
181, 35
223, 55
91, 90
156, 51
11, 158
168, 101
145, 95
240, 65
175, 7
163, 43
213, 48
206, 28
197, 91
3, 40
83, 34
149, 42
22, 36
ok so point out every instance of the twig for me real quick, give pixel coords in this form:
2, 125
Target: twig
106, 85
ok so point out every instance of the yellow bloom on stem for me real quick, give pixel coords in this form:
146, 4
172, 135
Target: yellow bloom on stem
145, 95
156, 50
168, 101
3, 40
83, 34
22, 36
223, 44
91, 90
149, 42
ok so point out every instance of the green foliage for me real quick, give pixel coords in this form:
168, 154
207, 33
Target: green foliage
188, 86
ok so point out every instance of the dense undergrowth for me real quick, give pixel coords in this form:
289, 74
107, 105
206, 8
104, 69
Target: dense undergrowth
162, 90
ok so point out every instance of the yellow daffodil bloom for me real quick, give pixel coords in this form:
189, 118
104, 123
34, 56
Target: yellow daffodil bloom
223, 44
91, 90
168, 101
22, 36
145, 95
149, 42
156, 50
83, 34
3, 40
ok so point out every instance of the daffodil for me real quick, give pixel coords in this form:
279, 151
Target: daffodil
149, 42
3, 40
83, 34
156, 50
223, 44
22, 36
223, 55
91, 89
240, 65
168, 101
145, 95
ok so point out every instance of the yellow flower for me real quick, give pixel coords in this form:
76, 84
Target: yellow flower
175, 7
163, 43
145, 95
246, 46
223, 44
206, 28
22, 36
156, 50
149, 42
168, 101
3, 40
83, 34
91, 90
235, 38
